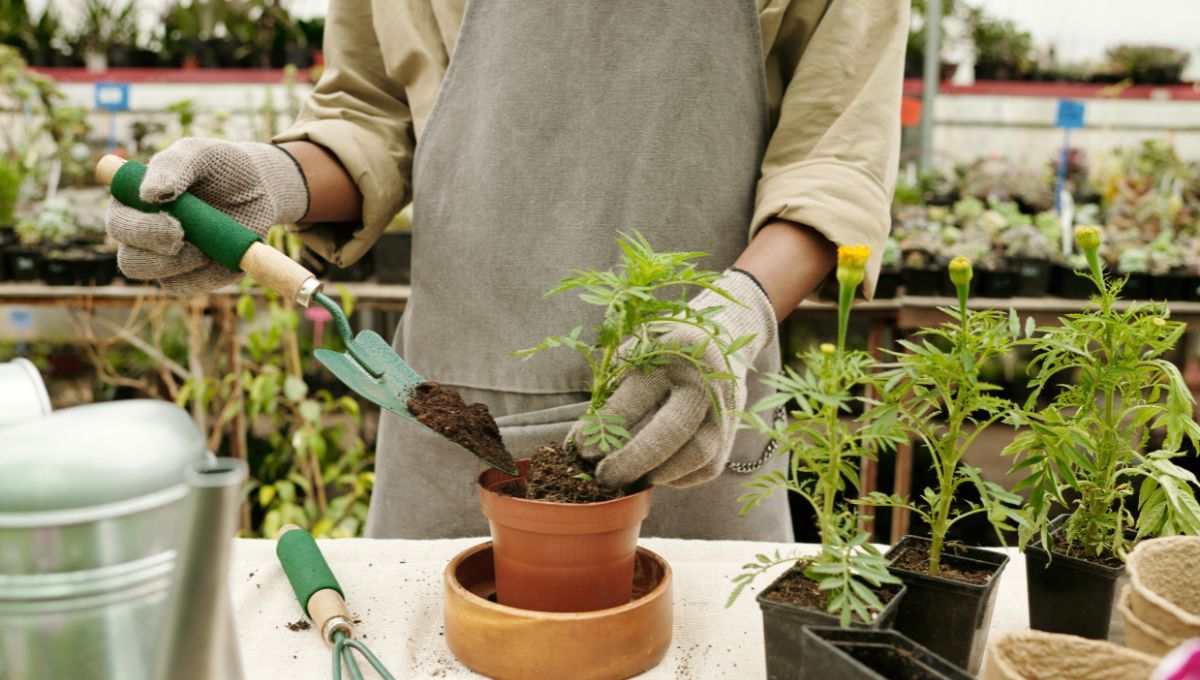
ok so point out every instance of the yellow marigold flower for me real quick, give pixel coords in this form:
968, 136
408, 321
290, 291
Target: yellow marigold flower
1088, 238
851, 262
961, 271
828, 348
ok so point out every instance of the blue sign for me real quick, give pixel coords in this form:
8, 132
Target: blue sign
21, 318
1070, 114
112, 96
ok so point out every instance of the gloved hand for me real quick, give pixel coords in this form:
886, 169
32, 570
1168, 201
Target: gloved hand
259, 185
679, 439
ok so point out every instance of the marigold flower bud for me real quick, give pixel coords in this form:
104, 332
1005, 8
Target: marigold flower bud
852, 260
828, 348
1088, 238
961, 271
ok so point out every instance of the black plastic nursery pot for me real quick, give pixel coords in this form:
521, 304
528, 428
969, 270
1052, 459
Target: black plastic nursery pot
886, 287
784, 624
23, 263
949, 617
1033, 277
1191, 288
60, 271
393, 257
923, 282
1067, 594
999, 283
1170, 286
1137, 286
1069, 284
854, 654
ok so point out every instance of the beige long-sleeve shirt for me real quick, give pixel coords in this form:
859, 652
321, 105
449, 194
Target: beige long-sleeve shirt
833, 69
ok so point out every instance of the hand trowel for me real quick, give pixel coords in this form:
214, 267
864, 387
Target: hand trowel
369, 366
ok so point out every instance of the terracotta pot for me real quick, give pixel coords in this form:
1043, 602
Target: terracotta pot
1163, 591
1140, 635
561, 557
510, 643
1029, 655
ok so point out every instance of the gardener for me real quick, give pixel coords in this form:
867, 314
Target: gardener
764, 137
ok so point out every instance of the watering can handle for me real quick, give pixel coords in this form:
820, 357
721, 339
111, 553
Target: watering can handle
214, 233
316, 589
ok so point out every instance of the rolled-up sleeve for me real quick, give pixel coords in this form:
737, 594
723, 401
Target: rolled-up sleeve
359, 112
831, 162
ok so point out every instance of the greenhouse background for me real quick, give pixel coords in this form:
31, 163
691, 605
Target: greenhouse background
1046, 116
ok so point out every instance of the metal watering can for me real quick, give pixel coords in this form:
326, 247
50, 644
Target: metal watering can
115, 528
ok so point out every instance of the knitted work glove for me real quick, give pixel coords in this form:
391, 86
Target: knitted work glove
679, 438
259, 185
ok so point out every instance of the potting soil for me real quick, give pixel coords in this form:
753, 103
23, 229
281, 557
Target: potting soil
890, 662
917, 559
1062, 547
442, 409
560, 476
797, 589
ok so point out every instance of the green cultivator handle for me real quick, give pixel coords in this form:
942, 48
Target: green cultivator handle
216, 234
321, 598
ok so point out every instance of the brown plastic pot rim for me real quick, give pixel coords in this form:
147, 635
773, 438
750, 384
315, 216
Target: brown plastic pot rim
1135, 580
997, 566
458, 588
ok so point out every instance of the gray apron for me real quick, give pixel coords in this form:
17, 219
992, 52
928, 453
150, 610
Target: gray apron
558, 124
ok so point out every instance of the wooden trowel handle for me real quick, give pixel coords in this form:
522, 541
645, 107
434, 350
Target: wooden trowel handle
313, 582
214, 233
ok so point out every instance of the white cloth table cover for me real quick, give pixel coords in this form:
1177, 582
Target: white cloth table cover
395, 588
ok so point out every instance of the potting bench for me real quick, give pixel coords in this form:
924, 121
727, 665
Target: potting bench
887, 319
395, 588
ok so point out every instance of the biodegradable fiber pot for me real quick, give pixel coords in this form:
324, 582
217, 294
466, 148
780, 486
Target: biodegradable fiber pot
949, 617
856, 654
561, 557
1068, 594
1139, 634
506, 642
784, 625
1033, 655
1162, 580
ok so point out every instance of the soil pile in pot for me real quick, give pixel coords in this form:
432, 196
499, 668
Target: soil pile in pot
560, 476
797, 589
441, 409
916, 558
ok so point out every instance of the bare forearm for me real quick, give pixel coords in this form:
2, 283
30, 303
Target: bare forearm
333, 195
790, 260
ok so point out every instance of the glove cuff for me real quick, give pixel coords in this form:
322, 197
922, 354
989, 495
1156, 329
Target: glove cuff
283, 179
754, 314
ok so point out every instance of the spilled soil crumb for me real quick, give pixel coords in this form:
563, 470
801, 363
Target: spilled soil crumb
917, 559
797, 589
443, 410
300, 625
559, 476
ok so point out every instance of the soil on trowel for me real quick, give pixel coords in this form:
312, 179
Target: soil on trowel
561, 476
797, 589
442, 409
1063, 547
917, 559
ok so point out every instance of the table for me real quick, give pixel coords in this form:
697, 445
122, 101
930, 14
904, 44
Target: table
395, 588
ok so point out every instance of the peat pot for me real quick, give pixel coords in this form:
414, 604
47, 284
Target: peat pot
1032, 655
561, 557
833, 653
1164, 592
517, 644
949, 617
1068, 594
784, 625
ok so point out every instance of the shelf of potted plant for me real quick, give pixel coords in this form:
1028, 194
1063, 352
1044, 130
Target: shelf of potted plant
847, 583
942, 403
1110, 434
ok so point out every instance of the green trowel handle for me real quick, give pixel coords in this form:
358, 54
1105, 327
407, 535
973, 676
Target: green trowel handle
216, 234
316, 589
